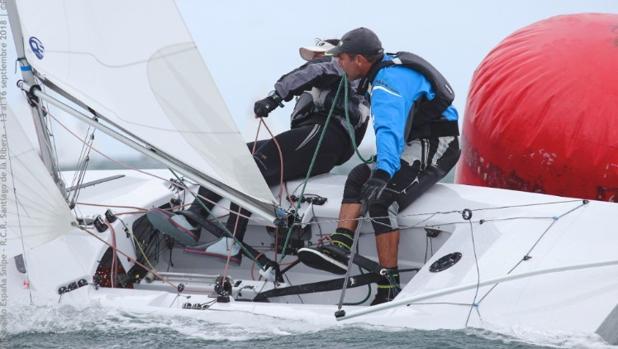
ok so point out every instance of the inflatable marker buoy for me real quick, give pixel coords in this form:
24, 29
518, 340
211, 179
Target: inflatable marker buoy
542, 111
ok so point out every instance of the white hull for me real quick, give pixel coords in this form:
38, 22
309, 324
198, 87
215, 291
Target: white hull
576, 300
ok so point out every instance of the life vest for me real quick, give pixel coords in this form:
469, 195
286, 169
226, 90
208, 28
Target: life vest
425, 119
312, 107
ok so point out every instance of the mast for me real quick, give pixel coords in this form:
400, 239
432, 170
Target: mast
38, 116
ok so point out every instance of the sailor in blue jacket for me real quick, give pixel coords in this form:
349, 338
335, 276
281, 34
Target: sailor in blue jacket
417, 145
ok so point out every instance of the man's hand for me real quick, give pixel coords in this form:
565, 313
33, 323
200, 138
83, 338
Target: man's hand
375, 185
264, 106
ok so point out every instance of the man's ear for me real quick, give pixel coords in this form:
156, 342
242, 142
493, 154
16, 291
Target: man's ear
361, 60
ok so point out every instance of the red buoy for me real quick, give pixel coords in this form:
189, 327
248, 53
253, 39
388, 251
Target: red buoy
542, 111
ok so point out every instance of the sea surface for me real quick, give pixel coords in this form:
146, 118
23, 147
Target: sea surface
97, 327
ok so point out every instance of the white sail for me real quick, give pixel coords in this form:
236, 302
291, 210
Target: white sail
36, 212
135, 63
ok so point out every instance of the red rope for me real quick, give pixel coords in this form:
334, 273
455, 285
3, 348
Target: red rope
282, 185
229, 249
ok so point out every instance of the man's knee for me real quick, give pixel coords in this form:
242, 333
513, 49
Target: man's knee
383, 215
353, 185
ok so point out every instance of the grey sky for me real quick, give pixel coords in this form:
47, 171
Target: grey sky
249, 44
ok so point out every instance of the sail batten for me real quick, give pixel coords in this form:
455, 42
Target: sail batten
136, 64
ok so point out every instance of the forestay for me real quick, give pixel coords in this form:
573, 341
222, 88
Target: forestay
36, 212
135, 63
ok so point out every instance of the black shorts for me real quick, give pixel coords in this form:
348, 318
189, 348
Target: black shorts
423, 163
297, 147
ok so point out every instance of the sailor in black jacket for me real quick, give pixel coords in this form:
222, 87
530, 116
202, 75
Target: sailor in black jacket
314, 84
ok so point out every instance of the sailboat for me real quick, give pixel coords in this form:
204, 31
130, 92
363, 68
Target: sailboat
474, 257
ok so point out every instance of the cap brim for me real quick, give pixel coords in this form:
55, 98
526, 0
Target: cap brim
308, 52
335, 51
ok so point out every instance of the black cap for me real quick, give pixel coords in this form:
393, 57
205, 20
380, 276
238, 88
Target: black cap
358, 41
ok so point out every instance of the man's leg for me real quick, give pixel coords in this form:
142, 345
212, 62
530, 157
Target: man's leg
384, 212
204, 202
351, 206
387, 245
201, 206
297, 147
348, 216
331, 257
412, 180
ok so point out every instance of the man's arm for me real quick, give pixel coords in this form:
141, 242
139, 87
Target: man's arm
320, 73
388, 108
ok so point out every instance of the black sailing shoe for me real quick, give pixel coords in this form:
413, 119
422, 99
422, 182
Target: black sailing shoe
331, 257
388, 286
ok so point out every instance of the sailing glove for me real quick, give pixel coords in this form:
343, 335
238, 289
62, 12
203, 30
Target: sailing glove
375, 185
264, 106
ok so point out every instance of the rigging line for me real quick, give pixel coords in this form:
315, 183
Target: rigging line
114, 273
138, 209
257, 135
21, 233
131, 259
554, 220
360, 269
80, 157
417, 225
229, 248
281, 178
482, 221
527, 205
253, 265
82, 151
478, 274
290, 283
459, 211
276, 142
209, 211
349, 126
310, 170
124, 213
141, 209
82, 170
441, 303
44, 110
129, 167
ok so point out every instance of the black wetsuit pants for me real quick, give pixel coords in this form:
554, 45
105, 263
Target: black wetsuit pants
298, 146
423, 163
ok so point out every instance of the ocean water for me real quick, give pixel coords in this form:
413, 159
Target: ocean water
96, 327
